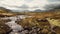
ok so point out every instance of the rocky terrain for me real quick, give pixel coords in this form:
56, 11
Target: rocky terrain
29, 22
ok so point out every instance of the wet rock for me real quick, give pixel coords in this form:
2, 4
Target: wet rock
41, 20
4, 20
4, 28
14, 26
57, 29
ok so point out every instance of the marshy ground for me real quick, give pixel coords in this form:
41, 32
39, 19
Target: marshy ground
35, 24
31, 25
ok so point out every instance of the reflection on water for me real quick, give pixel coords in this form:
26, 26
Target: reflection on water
13, 25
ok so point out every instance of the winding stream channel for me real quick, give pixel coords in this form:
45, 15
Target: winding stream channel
13, 25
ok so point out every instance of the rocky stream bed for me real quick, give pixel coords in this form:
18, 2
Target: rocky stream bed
26, 25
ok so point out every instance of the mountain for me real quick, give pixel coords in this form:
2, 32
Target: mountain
5, 12
2, 9
37, 10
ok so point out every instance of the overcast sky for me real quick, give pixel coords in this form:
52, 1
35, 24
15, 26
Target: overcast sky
27, 4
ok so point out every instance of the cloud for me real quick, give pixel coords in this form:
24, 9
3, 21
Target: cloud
26, 4
53, 0
12, 2
28, 0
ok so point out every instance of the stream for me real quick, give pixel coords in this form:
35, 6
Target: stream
13, 25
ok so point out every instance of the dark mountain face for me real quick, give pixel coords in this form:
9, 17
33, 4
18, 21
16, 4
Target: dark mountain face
2, 9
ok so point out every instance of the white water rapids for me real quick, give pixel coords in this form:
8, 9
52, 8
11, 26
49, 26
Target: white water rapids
14, 26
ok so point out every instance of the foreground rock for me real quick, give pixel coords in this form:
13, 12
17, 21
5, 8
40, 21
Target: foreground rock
4, 29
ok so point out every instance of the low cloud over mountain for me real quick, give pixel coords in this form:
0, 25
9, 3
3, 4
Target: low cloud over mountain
30, 5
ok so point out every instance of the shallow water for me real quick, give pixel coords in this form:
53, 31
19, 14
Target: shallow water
13, 25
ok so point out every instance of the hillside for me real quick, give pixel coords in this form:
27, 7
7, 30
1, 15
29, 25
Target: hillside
5, 12
42, 14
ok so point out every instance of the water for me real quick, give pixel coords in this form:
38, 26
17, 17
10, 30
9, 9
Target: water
13, 25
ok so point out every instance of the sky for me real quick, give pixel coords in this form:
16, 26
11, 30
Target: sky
27, 4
